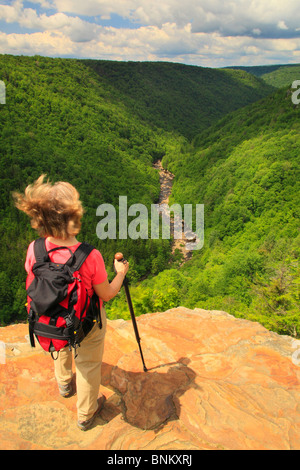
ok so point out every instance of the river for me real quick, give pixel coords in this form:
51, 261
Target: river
166, 182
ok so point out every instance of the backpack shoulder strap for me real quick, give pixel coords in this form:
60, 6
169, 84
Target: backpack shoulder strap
81, 254
40, 251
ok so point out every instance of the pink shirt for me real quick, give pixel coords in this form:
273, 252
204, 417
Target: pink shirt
92, 271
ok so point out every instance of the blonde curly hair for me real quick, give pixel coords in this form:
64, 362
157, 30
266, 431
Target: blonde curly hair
55, 209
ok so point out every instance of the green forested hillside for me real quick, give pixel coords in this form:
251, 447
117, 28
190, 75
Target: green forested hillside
100, 126
179, 97
61, 120
278, 76
245, 169
261, 70
282, 77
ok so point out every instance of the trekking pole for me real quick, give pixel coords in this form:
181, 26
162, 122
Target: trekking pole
119, 257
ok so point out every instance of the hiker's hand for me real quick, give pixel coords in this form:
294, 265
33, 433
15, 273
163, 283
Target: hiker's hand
121, 266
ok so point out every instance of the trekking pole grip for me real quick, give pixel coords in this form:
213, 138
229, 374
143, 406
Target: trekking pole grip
119, 257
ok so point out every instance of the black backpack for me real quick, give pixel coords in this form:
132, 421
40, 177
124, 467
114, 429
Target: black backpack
60, 312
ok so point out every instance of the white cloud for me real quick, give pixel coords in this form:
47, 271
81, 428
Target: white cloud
256, 31
237, 17
152, 43
203, 32
281, 25
36, 43
43, 3
75, 28
11, 13
96, 7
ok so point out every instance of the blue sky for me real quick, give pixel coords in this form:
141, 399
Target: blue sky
210, 33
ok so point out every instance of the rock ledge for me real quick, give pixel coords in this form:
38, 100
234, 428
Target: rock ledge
214, 382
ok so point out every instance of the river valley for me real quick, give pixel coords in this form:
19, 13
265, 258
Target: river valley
188, 237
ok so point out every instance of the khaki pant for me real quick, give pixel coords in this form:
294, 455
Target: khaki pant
88, 369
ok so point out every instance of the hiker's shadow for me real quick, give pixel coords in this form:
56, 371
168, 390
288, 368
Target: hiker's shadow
147, 400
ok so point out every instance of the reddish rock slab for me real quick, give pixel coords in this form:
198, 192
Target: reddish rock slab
214, 382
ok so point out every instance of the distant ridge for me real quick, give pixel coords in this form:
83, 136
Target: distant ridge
259, 70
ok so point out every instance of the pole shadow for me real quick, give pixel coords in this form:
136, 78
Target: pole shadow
147, 400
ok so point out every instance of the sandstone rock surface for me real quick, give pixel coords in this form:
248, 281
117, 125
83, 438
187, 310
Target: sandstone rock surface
214, 382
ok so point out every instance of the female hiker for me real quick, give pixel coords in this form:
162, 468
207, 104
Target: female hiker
55, 211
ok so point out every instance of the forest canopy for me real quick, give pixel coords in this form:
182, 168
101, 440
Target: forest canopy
246, 171
101, 125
